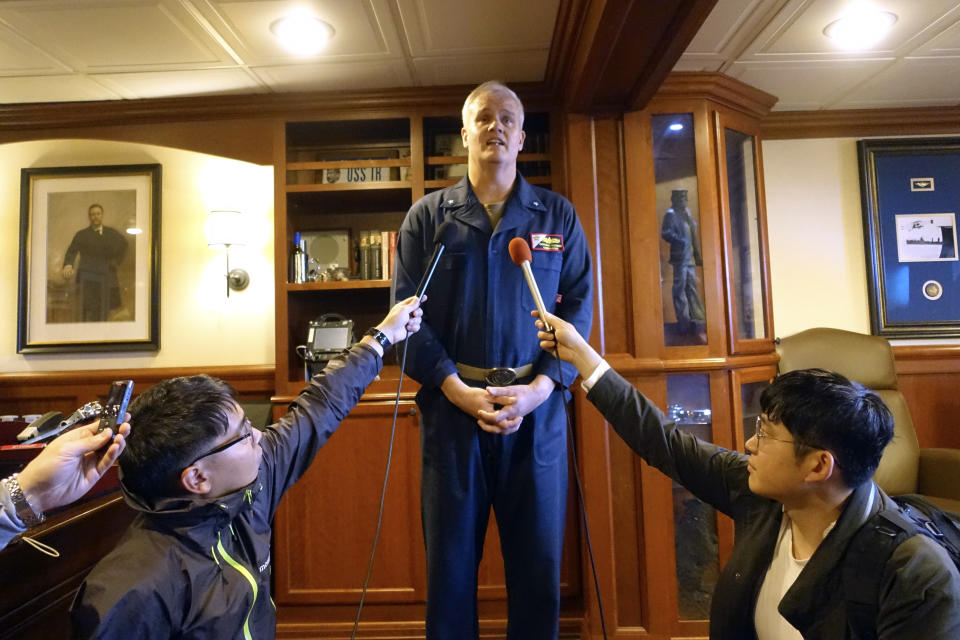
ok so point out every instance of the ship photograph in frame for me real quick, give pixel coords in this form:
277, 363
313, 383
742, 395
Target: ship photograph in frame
910, 193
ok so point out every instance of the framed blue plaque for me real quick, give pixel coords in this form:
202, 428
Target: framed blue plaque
910, 191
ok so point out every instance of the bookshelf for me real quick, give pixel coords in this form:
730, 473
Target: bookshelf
342, 179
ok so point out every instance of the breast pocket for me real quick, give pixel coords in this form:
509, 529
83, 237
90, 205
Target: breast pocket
546, 266
445, 291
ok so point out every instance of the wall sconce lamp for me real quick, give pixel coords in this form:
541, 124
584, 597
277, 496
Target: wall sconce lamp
225, 229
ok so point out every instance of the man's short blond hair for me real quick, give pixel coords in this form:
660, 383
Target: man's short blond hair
490, 86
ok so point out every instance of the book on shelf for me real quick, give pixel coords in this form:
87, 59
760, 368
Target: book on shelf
391, 252
375, 254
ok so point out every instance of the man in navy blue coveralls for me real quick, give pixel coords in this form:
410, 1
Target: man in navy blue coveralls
486, 440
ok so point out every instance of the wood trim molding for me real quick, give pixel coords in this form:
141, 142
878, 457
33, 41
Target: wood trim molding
850, 123
66, 115
927, 359
718, 88
627, 365
35, 392
250, 377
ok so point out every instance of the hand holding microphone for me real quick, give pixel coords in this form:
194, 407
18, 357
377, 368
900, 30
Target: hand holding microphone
564, 340
520, 254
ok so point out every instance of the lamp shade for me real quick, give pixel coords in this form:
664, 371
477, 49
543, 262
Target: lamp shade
225, 228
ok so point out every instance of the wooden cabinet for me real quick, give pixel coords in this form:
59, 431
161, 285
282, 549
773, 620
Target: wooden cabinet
674, 195
343, 175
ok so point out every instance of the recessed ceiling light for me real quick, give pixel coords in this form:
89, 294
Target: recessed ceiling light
302, 33
860, 27
676, 126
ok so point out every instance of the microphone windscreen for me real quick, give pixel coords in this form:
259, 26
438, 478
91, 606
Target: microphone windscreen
446, 233
519, 251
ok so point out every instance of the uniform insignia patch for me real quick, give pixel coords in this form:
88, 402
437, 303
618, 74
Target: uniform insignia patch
546, 241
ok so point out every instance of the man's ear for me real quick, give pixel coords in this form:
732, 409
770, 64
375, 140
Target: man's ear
523, 137
195, 480
821, 466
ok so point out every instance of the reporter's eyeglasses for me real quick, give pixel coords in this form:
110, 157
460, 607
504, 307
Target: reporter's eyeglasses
761, 435
247, 433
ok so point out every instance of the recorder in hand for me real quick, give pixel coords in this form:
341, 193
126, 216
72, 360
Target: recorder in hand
115, 408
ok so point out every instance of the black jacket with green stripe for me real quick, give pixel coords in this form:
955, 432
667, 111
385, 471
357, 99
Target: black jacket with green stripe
189, 569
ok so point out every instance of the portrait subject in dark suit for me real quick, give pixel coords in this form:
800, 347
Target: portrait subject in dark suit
100, 248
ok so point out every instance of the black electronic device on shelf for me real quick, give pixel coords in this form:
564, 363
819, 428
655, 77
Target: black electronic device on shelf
327, 336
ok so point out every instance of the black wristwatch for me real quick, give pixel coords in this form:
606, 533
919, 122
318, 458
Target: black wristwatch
379, 336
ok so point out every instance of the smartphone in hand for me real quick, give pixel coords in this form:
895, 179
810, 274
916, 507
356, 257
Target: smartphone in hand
115, 408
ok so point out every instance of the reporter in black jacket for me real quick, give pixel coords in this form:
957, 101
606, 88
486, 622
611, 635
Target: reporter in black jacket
196, 562
798, 496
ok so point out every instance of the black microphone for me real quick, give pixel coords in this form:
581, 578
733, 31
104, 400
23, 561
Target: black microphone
521, 256
445, 235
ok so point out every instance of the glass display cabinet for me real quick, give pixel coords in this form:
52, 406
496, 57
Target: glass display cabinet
697, 338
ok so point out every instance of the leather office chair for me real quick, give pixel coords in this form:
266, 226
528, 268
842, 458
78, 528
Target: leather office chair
904, 467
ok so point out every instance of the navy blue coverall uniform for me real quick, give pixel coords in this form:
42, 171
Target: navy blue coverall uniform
478, 314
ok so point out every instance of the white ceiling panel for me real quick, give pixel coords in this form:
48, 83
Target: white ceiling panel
52, 89
726, 24
797, 31
806, 85
912, 82
778, 46
159, 84
337, 77
700, 62
441, 27
19, 57
946, 43
109, 36
68, 50
508, 67
362, 28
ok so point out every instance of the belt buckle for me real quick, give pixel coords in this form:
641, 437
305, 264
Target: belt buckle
500, 377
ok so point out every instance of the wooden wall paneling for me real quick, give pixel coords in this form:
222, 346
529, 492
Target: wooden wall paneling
36, 591
858, 123
281, 238
580, 175
928, 377
325, 526
620, 311
65, 391
657, 532
595, 465
415, 173
638, 223
725, 434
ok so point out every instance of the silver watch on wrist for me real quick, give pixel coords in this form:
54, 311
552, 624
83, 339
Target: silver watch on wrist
25, 511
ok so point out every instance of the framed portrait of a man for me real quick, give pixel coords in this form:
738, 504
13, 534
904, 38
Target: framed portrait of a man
89, 259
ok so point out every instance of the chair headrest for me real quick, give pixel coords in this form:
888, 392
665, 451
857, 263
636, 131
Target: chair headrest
865, 359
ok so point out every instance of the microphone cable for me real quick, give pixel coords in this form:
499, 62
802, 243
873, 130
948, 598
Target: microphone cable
576, 476
383, 491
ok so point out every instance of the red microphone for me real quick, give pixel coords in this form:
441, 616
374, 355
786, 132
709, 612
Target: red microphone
520, 254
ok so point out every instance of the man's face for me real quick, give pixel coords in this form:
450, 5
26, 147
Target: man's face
237, 465
775, 471
96, 216
493, 131
680, 201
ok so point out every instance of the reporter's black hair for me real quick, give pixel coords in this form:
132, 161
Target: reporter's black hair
172, 423
824, 410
